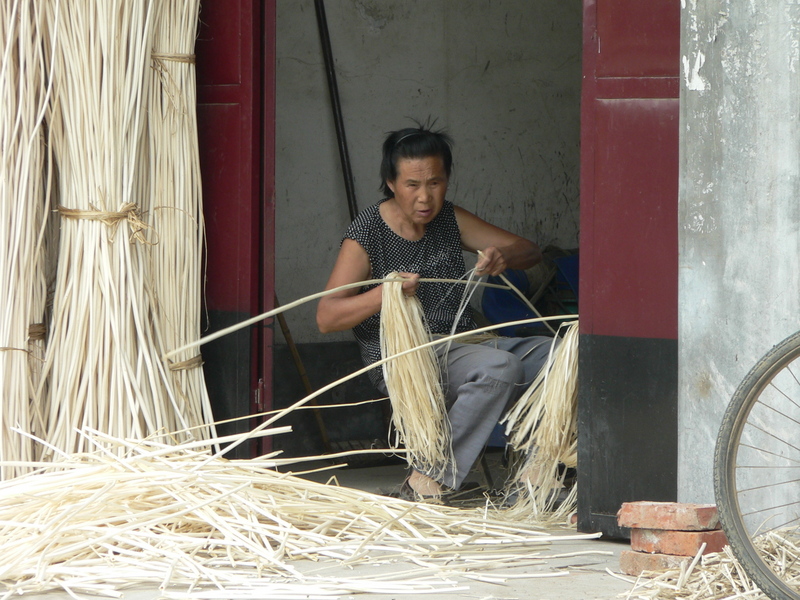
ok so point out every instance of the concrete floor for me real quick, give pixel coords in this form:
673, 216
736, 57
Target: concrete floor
582, 576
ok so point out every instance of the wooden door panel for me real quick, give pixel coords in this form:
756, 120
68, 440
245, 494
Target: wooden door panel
629, 156
231, 264
635, 38
637, 188
223, 42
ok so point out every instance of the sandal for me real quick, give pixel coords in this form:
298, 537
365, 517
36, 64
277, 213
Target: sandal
468, 491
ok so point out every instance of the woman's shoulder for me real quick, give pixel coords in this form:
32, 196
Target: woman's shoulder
369, 214
446, 216
365, 223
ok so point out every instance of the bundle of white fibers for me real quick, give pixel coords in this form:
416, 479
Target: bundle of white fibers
24, 197
174, 206
543, 427
102, 367
413, 381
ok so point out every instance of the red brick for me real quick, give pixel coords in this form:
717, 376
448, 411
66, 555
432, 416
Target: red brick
678, 543
668, 515
634, 563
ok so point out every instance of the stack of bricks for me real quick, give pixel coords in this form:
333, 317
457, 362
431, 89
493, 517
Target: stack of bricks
664, 534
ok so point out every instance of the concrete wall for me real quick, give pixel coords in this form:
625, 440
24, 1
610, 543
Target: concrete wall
739, 209
503, 77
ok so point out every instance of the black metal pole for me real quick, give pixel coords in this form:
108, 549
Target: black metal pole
322, 23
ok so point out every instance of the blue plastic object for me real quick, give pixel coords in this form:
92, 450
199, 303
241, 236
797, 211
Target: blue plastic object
501, 306
498, 437
567, 273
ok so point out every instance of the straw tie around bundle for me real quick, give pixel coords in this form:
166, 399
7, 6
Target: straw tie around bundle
37, 331
184, 365
413, 382
128, 212
184, 58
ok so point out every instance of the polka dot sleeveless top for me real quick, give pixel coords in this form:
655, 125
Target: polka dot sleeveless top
437, 255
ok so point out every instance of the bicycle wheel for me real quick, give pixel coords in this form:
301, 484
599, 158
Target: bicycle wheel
757, 471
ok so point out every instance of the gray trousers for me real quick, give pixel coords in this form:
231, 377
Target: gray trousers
480, 382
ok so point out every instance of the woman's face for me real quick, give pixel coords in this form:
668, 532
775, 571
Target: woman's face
419, 188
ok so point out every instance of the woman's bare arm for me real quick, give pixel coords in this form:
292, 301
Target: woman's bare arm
347, 308
500, 249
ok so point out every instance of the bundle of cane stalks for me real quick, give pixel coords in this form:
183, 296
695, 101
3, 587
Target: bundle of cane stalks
24, 181
98, 130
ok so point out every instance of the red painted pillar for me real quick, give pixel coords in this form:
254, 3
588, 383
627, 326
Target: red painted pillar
627, 415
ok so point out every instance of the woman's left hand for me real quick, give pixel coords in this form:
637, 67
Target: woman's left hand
491, 262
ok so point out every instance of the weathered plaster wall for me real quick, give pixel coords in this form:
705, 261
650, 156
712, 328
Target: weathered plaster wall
503, 77
739, 211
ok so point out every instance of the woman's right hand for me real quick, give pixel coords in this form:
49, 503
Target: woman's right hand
411, 283
347, 308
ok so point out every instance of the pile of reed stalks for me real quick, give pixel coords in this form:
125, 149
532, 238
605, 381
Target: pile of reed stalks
134, 512
719, 575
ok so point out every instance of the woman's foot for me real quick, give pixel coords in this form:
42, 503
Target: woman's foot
424, 485
421, 488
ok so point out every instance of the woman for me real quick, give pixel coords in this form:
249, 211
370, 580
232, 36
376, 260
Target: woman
415, 231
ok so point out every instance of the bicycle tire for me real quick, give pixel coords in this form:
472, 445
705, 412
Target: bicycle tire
757, 467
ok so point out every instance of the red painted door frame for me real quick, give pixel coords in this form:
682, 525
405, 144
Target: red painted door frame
267, 280
236, 121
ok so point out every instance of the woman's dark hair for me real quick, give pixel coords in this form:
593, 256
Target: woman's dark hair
413, 142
